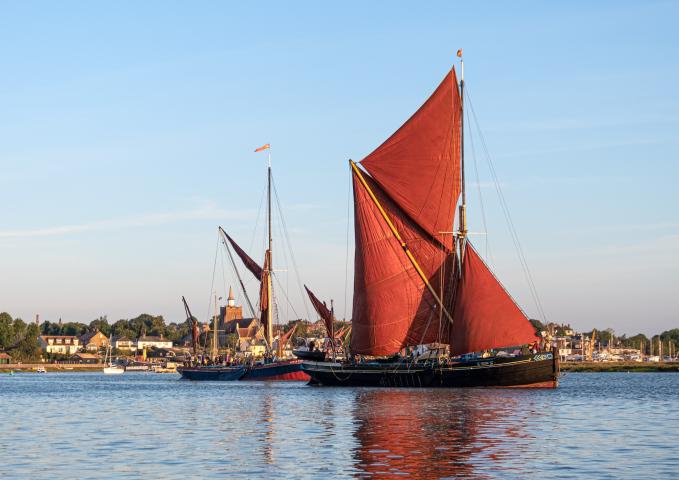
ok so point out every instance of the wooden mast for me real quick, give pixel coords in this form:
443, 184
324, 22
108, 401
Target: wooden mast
463, 204
269, 309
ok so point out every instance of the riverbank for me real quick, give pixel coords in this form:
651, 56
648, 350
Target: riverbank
619, 366
50, 367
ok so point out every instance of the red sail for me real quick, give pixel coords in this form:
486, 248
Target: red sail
322, 311
247, 261
485, 317
419, 165
392, 307
264, 291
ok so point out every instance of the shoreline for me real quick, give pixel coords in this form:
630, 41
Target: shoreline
619, 366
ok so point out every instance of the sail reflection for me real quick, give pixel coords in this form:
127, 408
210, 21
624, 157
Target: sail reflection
435, 434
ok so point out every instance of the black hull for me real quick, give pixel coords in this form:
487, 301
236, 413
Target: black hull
316, 355
220, 374
539, 370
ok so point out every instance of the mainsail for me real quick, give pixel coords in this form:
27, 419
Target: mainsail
264, 287
486, 317
414, 182
407, 289
419, 165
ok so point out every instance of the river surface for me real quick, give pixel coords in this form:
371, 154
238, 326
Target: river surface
142, 425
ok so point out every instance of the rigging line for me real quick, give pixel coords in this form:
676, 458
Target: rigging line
221, 262
478, 185
289, 244
275, 276
505, 209
346, 257
212, 285
259, 212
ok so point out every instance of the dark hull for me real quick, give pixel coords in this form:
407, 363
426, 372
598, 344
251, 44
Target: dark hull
277, 371
222, 374
316, 355
539, 370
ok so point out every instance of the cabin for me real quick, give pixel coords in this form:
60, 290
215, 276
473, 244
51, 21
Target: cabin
61, 344
5, 359
88, 358
94, 341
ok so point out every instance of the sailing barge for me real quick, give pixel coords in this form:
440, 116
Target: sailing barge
416, 282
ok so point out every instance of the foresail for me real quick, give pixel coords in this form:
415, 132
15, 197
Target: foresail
419, 165
249, 263
485, 316
392, 307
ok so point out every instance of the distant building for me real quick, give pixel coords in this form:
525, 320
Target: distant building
230, 312
5, 359
124, 343
89, 358
155, 342
62, 344
94, 341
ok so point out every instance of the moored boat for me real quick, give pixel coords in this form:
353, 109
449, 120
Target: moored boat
279, 370
212, 373
417, 278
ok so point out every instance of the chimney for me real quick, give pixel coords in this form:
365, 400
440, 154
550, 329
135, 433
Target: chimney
37, 319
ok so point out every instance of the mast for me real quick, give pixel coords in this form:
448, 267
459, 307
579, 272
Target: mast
463, 203
214, 332
269, 310
332, 329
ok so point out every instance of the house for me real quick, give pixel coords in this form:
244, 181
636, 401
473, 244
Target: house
5, 359
125, 343
89, 358
94, 341
62, 344
155, 342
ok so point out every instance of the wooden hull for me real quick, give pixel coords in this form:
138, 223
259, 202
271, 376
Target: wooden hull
277, 371
538, 371
220, 374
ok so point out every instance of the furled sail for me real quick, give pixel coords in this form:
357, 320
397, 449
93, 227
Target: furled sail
322, 311
264, 291
392, 306
419, 165
249, 263
485, 316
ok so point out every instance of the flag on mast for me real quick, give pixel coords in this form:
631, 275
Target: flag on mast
266, 146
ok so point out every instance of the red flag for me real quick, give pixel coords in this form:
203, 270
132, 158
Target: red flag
266, 146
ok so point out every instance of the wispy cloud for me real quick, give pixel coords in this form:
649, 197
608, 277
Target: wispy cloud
208, 211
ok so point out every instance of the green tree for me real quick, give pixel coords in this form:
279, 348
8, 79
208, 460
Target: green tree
102, 325
6, 331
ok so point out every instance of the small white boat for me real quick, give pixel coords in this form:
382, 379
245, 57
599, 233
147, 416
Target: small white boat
114, 370
111, 368
40, 370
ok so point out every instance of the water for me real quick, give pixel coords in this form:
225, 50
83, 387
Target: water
71, 425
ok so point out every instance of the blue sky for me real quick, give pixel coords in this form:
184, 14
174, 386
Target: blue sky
127, 132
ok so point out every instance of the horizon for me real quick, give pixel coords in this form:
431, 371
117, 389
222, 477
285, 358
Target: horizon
129, 134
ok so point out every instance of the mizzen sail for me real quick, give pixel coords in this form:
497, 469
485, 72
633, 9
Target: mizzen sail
485, 316
322, 311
